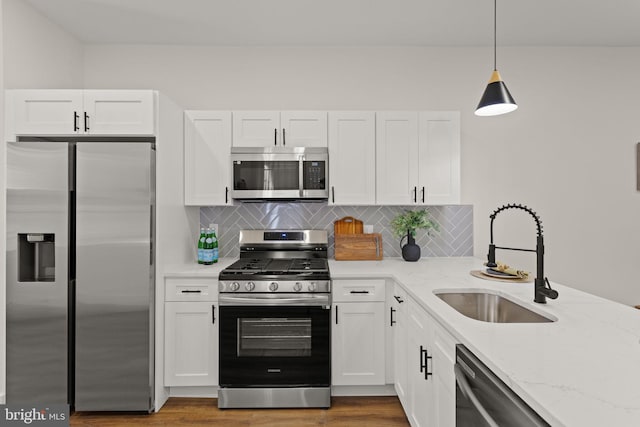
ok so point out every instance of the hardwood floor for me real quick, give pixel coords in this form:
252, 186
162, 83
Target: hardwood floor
344, 412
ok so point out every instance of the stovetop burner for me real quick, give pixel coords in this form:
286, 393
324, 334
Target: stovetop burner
270, 266
279, 261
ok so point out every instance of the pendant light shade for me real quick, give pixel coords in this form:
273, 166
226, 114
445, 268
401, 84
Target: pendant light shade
496, 98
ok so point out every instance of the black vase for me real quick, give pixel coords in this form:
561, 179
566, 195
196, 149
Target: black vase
410, 251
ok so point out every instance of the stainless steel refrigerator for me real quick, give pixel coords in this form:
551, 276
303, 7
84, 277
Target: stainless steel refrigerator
80, 273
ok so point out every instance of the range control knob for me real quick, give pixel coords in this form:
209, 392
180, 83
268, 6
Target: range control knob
249, 286
273, 286
312, 286
234, 286
297, 287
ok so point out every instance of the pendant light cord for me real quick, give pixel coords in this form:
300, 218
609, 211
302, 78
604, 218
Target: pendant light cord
495, 36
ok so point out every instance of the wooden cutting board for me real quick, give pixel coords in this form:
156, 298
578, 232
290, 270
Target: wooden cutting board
358, 247
348, 225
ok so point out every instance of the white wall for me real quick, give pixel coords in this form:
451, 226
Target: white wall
568, 152
37, 52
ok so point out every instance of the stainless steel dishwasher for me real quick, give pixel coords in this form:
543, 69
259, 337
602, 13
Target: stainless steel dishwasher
482, 399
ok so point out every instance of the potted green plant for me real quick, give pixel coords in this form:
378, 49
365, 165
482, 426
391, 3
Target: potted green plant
406, 224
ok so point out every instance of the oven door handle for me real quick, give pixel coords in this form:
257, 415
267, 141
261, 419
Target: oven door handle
461, 379
319, 300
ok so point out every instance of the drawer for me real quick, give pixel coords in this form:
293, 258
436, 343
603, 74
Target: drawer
358, 290
190, 289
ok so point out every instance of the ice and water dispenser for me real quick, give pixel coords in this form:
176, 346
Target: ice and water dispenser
36, 257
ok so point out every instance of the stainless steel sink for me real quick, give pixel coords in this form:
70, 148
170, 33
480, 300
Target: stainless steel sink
488, 306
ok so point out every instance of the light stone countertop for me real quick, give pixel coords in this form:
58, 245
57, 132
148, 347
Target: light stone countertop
582, 370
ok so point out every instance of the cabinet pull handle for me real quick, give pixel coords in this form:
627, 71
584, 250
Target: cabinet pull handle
213, 314
75, 121
336, 314
422, 194
275, 136
333, 194
359, 292
393, 322
226, 195
86, 122
415, 194
400, 300
284, 141
191, 291
423, 362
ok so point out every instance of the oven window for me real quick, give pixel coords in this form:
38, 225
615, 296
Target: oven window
274, 337
266, 175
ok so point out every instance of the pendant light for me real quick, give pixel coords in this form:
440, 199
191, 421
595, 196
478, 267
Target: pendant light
496, 98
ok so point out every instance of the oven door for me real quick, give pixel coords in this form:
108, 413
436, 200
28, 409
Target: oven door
275, 346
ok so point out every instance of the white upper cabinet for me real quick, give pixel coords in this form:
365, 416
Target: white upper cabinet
439, 154
396, 158
274, 128
304, 128
126, 112
352, 158
418, 158
207, 145
78, 112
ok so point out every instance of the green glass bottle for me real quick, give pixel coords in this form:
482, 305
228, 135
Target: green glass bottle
201, 240
208, 248
214, 246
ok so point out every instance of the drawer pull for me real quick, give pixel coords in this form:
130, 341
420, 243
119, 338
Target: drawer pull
359, 292
191, 291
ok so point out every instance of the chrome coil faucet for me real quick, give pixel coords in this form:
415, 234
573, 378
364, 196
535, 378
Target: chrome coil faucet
542, 288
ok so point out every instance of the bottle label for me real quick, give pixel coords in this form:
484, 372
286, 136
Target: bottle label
200, 254
214, 254
208, 256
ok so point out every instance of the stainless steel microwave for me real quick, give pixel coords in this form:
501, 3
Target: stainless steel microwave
280, 173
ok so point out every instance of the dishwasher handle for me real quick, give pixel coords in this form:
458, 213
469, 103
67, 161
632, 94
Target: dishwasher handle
461, 379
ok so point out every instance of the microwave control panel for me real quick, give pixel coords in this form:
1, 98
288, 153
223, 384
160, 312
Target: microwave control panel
313, 175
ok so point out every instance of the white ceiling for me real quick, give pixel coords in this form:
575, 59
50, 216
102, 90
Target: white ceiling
349, 22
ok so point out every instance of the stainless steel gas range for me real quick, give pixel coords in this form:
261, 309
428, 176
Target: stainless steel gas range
275, 310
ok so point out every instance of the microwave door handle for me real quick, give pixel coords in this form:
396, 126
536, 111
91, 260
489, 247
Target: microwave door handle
301, 174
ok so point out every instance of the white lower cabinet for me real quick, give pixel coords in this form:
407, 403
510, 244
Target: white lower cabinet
191, 333
358, 333
424, 356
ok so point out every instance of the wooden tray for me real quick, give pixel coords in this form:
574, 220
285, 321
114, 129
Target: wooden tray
358, 247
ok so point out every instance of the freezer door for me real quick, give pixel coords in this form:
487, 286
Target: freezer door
37, 278
114, 276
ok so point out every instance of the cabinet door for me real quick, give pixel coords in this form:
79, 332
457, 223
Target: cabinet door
121, 112
352, 158
207, 145
444, 359
396, 158
303, 128
191, 337
358, 344
399, 303
439, 154
46, 112
420, 384
256, 128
